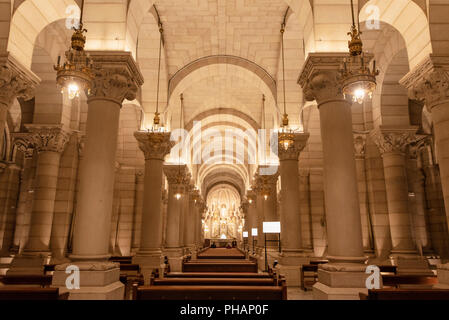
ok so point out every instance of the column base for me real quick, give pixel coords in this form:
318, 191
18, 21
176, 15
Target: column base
29, 263
340, 282
410, 263
148, 261
443, 276
98, 281
175, 257
290, 264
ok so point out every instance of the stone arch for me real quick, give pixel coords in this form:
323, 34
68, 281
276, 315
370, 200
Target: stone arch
411, 22
29, 19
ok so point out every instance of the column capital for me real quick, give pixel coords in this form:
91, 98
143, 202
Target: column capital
16, 81
429, 81
23, 144
265, 183
154, 145
320, 77
359, 145
293, 151
416, 146
45, 137
117, 76
177, 174
393, 140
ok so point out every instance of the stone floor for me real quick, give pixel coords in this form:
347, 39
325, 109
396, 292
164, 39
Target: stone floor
295, 293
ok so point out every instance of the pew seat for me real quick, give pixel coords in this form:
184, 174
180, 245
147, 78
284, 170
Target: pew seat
403, 281
405, 294
210, 293
217, 275
210, 266
213, 282
20, 293
27, 280
121, 259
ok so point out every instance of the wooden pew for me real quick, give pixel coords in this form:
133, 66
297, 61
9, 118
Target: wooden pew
406, 294
121, 259
213, 282
217, 275
210, 266
398, 281
18, 293
27, 279
210, 293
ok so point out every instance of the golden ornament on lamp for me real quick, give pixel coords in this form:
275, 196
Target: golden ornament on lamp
358, 80
76, 73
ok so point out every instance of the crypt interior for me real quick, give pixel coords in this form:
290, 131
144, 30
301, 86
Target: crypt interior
168, 131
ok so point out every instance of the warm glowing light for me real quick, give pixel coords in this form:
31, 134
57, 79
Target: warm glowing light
223, 236
178, 196
250, 200
265, 197
359, 95
73, 91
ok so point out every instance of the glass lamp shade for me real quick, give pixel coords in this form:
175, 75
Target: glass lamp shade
286, 139
76, 74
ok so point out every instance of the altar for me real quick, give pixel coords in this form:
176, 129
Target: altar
219, 242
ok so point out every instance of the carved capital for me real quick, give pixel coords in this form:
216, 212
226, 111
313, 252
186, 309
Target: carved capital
393, 141
155, 145
320, 77
15, 81
415, 147
48, 137
359, 145
23, 144
177, 175
429, 81
293, 151
265, 183
117, 76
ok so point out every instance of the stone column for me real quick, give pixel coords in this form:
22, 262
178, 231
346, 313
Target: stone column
155, 147
49, 142
292, 256
343, 277
138, 208
177, 178
16, 81
359, 148
189, 220
392, 145
201, 209
9, 190
116, 78
24, 203
429, 82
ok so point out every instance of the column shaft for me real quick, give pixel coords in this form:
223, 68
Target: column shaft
174, 215
96, 186
340, 182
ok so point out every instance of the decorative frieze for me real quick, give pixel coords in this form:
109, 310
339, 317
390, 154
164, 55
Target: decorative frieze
359, 145
393, 141
429, 81
117, 76
155, 145
15, 81
51, 138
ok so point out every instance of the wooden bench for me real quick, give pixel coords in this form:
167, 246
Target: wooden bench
49, 268
16, 293
208, 266
210, 293
217, 275
213, 282
27, 279
399, 281
405, 294
121, 260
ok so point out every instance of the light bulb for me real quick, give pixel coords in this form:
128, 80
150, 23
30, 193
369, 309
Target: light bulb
178, 196
250, 201
286, 145
359, 95
73, 91
265, 197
